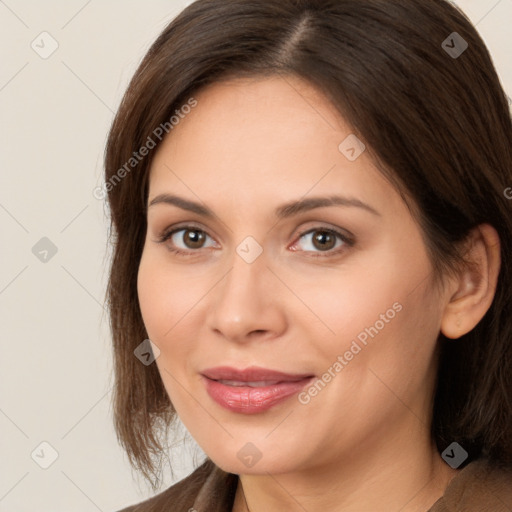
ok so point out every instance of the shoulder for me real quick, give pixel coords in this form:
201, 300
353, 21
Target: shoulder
207, 479
479, 486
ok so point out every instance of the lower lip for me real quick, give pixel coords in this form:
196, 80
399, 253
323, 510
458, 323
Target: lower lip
248, 400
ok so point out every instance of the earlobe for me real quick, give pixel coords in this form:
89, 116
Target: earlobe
472, 294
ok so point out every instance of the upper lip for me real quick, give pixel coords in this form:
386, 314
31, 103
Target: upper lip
252, 374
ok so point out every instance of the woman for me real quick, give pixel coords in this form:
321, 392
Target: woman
311, 225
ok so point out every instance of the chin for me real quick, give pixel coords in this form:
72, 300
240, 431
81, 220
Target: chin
249, 460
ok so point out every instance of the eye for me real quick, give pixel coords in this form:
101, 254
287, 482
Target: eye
324, 240
185, 239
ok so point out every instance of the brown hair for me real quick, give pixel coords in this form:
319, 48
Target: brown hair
438, 125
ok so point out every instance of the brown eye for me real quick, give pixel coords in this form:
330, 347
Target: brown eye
193, 238
324, 240
186, 240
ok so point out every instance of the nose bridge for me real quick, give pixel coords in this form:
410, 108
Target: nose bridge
241, 303
240, 287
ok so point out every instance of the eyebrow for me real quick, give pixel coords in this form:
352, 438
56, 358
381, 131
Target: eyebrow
284, 211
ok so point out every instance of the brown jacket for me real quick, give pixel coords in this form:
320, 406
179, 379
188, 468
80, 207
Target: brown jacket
477, 488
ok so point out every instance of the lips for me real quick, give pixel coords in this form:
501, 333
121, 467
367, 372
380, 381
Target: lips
252, 374
252, 390
254, 384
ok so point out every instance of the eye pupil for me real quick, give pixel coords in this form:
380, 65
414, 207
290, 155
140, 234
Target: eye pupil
320, 239
193, 238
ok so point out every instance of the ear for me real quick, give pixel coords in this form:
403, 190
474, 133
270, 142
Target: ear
471, 294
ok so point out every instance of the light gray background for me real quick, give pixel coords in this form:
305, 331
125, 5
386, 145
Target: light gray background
56, 361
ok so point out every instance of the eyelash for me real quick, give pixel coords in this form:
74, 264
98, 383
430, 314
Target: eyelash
348, 242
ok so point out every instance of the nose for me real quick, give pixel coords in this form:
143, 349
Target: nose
248, 303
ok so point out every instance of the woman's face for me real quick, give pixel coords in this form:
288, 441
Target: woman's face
258, 284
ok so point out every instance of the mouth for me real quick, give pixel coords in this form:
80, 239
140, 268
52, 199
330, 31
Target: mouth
255, 384
252, 375
252, 390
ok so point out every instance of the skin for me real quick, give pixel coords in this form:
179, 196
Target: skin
362, 443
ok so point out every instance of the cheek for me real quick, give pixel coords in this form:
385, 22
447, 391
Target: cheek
167, 297
378, 312
348, 300
150, 296
166, 303
397, 355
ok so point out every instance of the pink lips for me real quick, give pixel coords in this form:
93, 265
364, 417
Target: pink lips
251, 390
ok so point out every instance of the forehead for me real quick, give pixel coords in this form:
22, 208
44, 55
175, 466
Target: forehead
250, 111
264, 139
